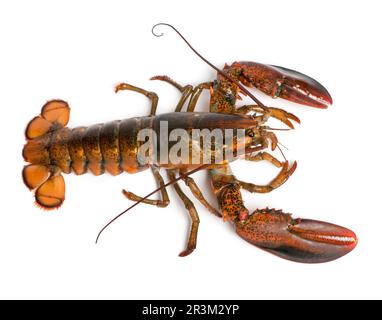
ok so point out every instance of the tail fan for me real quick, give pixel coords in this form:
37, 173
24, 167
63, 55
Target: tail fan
40, 175
54, 112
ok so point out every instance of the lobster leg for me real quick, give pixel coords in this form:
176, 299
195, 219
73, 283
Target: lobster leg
186, 90
151, 95
264, 156
280, 179
198, 195
196, 94
231, 204
161, 202
191, 244
276, 113
154, 103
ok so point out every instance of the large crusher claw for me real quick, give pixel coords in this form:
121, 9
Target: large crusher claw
300, 240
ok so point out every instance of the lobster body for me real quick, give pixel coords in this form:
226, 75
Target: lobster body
98, 148
114, 147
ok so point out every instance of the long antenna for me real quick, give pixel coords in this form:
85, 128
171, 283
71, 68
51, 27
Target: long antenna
221, 72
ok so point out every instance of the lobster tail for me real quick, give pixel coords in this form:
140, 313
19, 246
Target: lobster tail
54, 114
49, 185
41, 175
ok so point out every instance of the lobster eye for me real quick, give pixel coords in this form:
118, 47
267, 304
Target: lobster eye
250, 133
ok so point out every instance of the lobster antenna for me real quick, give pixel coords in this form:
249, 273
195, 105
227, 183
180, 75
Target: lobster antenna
221, 72
181, 176
278, 147
277, 129
282, 145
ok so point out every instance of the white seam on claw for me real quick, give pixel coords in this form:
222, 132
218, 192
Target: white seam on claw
337, 238
306, 93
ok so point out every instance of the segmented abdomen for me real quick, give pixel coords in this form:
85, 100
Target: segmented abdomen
110, 147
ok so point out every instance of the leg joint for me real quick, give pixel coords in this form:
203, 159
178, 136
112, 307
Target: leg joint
163, 203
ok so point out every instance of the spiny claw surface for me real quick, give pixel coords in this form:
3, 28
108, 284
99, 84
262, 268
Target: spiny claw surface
282, 82
300, 240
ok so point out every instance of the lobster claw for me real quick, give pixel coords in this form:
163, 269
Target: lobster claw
300, 240
284, 83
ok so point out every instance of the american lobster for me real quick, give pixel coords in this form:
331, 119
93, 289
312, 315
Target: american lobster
53, 149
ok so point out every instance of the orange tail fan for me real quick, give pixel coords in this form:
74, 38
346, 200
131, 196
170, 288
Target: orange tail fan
40, 175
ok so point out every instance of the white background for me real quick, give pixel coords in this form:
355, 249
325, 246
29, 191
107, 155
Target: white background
78, 51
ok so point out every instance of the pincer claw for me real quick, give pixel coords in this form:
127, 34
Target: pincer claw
300, 88
283, 116
284, 83
300, 240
